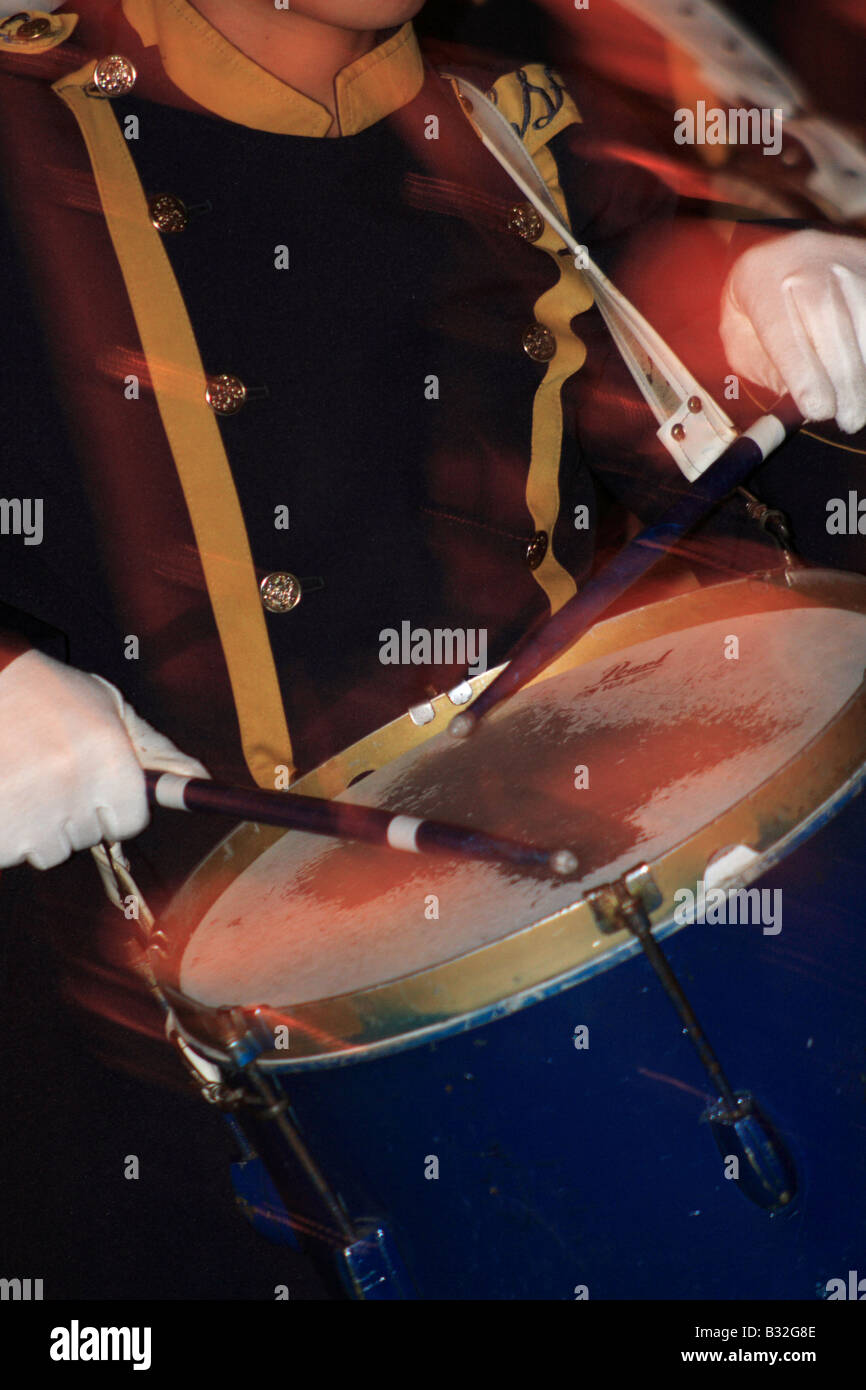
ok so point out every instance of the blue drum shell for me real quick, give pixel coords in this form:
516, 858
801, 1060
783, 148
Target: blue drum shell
569, 1172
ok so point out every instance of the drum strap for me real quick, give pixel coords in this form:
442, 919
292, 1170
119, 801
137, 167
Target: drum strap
692, 426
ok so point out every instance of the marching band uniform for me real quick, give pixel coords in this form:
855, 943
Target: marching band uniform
279, 392
316, 387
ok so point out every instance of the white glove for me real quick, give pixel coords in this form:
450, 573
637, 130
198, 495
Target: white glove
71, 757
794, 319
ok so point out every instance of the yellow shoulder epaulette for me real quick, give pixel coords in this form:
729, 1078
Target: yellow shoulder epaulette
535, 100
34, 31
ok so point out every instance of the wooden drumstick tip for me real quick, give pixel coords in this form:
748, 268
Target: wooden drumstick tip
462, 725
563, 862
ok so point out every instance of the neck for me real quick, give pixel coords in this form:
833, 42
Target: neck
304, 53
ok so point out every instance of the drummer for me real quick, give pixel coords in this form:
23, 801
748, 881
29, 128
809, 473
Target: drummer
300, 369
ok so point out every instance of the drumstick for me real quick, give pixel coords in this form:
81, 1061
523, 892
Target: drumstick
346, 821
542, 644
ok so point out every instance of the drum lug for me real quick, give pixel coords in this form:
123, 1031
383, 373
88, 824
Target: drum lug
609, 901
372, 1269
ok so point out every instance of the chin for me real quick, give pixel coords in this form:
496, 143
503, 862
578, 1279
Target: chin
359, 14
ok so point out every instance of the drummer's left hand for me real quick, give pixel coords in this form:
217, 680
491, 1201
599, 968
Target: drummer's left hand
794, 319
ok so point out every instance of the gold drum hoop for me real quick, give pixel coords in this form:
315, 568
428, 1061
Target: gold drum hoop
521, 966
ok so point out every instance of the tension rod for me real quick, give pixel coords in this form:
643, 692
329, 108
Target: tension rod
764, 1168
636, 918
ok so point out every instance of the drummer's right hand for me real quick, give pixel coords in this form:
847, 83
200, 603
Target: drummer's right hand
71, 759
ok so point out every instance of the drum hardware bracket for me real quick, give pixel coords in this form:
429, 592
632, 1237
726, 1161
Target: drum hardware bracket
461, 694
765, 1171
206, 1075
372, 1266
368, 1262
148, 937
422, 714
607, 902
775, 523
261, 1096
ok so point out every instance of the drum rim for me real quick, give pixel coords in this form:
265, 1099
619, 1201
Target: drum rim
539, 960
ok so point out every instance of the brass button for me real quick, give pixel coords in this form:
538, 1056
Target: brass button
168, 213
33, 28
280, 592
536, 550
539, 343
114, 76
524, 221
225, 394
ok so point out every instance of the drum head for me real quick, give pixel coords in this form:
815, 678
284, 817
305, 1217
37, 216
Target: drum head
703, 730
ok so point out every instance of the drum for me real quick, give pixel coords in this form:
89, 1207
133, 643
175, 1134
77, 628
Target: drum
481, 1062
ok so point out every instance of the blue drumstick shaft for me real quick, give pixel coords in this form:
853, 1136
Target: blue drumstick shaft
346, 821
543, 644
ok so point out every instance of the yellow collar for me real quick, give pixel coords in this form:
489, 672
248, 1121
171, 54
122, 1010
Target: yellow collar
207, 68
